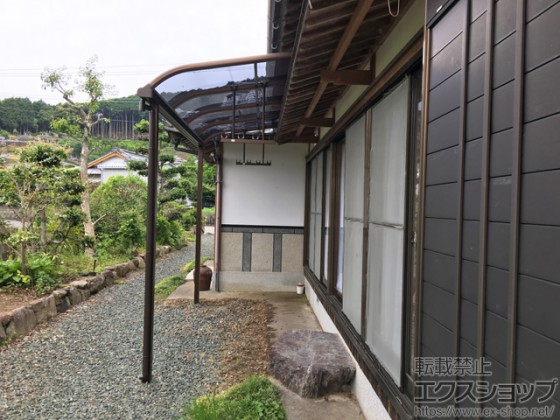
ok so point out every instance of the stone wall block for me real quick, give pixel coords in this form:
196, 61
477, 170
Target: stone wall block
59, 295
131, 266
23, 321
141, 262
5, 319
40, 309
96, 284
51, 306
75, 296
64, 305
79, 284
122, 270
85, 294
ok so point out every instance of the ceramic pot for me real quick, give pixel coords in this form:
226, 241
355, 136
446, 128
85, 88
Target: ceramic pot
205, 277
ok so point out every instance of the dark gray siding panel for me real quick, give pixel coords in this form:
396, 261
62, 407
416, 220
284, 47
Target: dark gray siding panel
447, 62
536, 7
468, 321
439, 269
501, 145
539, 253
477, 37
471, 204
537, 356
497, 291
440, 236
505, 19
447, 28
504, 60
542, 92
438, 338
541, 148
466, 349
498, 371
471, 240
475, 84
543, 39
498, 245
509, 260
500, 199
439, 305
475, 110
445, 97
443, 132
496, 336
477, 9
538, 306
541, 198
473, 160
442, 166
502, 114
469, 281
441, 201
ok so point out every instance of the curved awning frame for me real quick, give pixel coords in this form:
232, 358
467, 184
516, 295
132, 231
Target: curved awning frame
239, 95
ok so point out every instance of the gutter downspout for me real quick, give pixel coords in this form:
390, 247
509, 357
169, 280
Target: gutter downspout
198, 225
151, 233
218, 218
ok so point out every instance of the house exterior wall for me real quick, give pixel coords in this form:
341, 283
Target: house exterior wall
490, 282
273, 195
355, 250
480, 256
261, 232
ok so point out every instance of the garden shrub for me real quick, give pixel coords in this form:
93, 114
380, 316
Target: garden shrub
43, 273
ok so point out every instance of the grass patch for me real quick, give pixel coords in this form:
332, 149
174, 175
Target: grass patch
76, 264
254, 398
165, 287
208, 210
188, 267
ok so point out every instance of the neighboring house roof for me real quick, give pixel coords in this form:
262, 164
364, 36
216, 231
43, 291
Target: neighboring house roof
118, 158
123, 157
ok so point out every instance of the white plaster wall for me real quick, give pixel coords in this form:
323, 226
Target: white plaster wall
370, 404
264, 195
108, 173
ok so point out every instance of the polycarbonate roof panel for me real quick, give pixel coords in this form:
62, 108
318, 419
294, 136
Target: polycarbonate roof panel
240, 98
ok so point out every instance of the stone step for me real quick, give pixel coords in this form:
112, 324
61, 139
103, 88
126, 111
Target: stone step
311, 363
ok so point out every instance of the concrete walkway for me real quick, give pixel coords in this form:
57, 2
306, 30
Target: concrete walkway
291, 312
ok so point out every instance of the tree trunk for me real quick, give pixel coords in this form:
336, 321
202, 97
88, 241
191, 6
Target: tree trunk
89, 228
43, 217
23, 257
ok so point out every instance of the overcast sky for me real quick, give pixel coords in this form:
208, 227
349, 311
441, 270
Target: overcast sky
134, 40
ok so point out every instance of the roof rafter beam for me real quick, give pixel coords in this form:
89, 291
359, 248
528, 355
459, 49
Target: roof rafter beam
352, 28
347, 77
318, 122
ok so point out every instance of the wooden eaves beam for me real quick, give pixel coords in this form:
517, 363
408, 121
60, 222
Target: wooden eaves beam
347, 77
351, 29
318, 122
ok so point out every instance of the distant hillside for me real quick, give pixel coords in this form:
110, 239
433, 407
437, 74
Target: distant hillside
20, 116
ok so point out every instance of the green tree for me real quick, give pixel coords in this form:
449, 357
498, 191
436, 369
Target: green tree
117, 205
30, 189
17, 115
87, 117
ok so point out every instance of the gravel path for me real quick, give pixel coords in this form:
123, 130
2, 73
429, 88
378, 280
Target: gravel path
87, 362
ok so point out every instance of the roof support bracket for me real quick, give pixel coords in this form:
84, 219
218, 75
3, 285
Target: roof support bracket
318, 122
347, 77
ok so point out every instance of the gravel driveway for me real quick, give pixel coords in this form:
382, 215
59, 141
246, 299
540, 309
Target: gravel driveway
87, 362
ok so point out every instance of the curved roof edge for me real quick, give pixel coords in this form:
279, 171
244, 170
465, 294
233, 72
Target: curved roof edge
216, 64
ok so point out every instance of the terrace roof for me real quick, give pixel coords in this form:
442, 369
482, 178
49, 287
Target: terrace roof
317, 48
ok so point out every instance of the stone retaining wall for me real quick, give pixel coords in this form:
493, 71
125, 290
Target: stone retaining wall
21, 321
